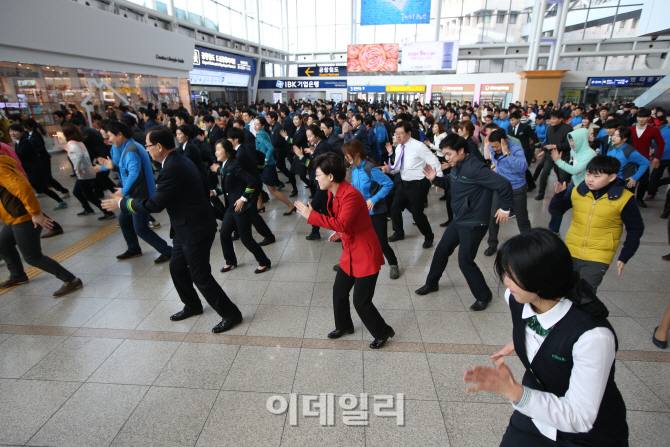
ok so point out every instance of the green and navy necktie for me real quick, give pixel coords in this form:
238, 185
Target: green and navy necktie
536, 326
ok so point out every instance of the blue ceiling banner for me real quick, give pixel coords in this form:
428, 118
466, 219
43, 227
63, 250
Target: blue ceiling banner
207, 59
293, 84
394, 12
625, 81
366, 88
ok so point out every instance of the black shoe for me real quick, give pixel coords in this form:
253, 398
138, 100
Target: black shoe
129, 254
337, 333
293, 193
262, 210
641, 204
226, 325
425, 290
336, 267
313, 237
396, 237
229, 268
86, 213
107, 216
490, 251
235, 237
380, 342
258, 270
265, 196
656, 341
267, 241
666, 257
183, 314
666, 214
539, 197
479, 305
293, 210
165, 257
531, 188
427, 243
281, 186
445, 224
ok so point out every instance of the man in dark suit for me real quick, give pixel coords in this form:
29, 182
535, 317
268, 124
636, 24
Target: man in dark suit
328, 127
527, 137
281, 149
181, 191
214, 132
287, 121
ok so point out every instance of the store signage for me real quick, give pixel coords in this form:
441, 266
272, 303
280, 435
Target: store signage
210, 77
373, 88
295, 84
204, 58
632, 81
423, 56
394, 12
169, 58
322, 71
406, 88
454, 88
497, 88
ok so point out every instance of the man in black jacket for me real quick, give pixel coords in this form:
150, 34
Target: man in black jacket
557, 138
328, 127
472, 184
214, 132
361, 133
527, 137
180, 190
287, 121
281, 153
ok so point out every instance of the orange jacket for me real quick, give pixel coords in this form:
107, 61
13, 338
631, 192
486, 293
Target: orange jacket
17, 201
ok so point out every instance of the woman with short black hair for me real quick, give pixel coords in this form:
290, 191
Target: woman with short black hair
568, 396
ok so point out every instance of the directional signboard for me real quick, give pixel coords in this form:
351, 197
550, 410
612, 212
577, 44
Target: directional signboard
322, 71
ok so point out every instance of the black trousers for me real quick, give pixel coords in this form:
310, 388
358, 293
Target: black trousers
364, 291
546, 171
469, 238
320, 204
50, 181
27, 238
189, 265
84, 192
412, 194
243, 222
642, 185
40, 186
655, 180
280, 156
530, 181
104, 183
380, 225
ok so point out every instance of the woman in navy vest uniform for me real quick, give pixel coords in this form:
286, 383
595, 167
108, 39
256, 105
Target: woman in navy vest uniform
568, 396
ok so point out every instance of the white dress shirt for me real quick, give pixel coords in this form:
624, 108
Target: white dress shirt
593, 356
640, 130
416, 156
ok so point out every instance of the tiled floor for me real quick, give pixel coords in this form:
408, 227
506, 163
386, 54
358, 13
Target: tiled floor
105, 366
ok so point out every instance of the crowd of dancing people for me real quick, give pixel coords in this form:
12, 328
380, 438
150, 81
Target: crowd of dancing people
364, 165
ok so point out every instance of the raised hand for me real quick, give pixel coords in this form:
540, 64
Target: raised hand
429, 172
497, 380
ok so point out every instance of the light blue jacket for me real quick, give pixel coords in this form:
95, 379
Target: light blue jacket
362, 182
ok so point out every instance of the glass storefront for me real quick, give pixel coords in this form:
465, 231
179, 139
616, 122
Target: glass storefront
38, 91
218, 94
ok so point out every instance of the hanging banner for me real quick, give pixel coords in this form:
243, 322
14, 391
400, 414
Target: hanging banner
394, 12
433, 56
371, 58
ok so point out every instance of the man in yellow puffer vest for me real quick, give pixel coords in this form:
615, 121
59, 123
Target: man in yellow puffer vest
601, 207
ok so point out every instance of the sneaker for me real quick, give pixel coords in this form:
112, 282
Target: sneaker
665, 258
395, 272
11, 282
86, 213
107, 216
649, 197
154, 224
68, 287
66, 195
512, 215
60, 206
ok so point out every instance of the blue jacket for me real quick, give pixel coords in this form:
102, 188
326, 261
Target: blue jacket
513, 168
576, 121
382, 135
541, 132
361, 181
665, 133
502, 123
137, 175
375, 152
264, 144
635, 158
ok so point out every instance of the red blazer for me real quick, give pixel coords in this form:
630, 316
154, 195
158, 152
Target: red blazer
643, 143
362, 255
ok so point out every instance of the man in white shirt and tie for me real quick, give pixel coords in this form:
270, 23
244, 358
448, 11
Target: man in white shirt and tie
408, 160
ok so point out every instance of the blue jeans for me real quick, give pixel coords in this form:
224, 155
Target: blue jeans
134, 225
555, 222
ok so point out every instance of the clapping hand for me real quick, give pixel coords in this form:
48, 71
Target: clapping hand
110, 204
283, 133
106, 162
555, 155
389, 148
297, 151
304, 210
215, 168
117, 194
429, 172
497, 380
94, 169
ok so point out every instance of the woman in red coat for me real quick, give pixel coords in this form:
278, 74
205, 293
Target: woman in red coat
362, 257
